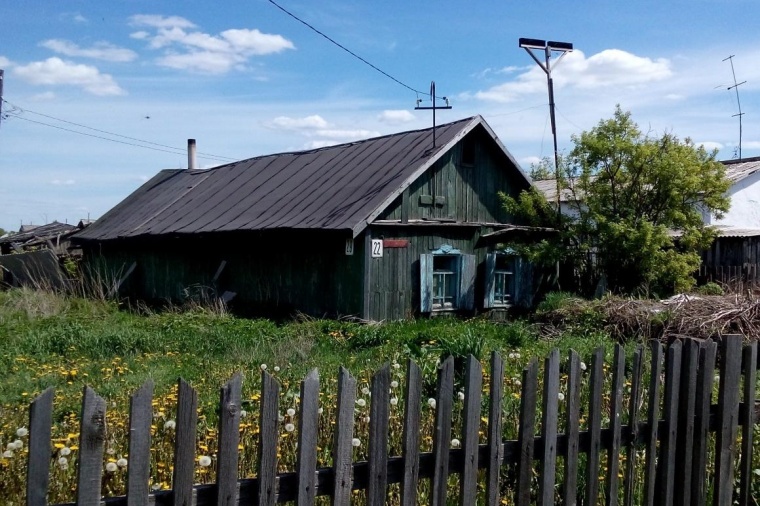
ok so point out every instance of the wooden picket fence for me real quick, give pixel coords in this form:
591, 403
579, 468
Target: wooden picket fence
670, 438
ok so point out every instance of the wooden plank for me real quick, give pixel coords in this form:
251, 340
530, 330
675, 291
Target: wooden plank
616, 409
650, 477
344, 433
230, 399
411, 437
219, 271
184, 444
728, 418
442, 434
685, 437
705, 380
633, 423
550, 414
666, 464
495, 428
115, 288
377, 488
307, 439
572, 428
526, 433
426, 283
92, 438
269, 436
748, 421
140, 419
595, 426
473, 385
38, 462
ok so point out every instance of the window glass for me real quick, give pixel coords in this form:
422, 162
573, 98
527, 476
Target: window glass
445, 281
504, 279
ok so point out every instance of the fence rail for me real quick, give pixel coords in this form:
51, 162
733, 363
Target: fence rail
670, 438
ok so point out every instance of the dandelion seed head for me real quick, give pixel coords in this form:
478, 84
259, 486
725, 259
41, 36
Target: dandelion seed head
290, 427
243, 413
204, 461
365, 391
365, 419
122, 462
455, 443
170, 425
263, 367
396, 365
65, 451
431, 403
355, 442
460, 395
291, 412
111, 451
63, 462
22, 431
280, 418
361, 402
8, 454
277, 368
583, 366
394, 384
394, 401
320, 410
561, 396
18, 444
111, 467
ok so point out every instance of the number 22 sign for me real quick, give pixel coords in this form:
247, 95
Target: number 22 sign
377, 248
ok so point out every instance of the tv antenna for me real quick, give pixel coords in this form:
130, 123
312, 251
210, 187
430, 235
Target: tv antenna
735, 87
433, 107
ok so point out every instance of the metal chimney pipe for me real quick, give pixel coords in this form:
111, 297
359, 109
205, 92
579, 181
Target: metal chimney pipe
191, 154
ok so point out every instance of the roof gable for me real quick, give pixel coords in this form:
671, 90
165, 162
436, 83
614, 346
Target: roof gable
340, 187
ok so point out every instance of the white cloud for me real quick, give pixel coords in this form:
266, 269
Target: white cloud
59, 182
396, 117
346, 135
710, 145
306, 123
529, 160
751, 144
203, 52
80, 19
99, 51
5, 62
43, 97
611, 68
55, 71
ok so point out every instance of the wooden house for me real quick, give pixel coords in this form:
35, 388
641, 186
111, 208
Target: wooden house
381, 229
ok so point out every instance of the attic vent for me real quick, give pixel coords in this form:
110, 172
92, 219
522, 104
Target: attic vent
468, 152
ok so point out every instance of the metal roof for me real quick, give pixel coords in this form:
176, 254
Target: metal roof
38, 233
340, 187
736, 170
549, 188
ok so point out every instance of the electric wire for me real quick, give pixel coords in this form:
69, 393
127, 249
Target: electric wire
17, 110
344, 48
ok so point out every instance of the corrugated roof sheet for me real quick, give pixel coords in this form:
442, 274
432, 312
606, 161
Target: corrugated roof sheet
39, 232
736, 170
337, 187
549, 188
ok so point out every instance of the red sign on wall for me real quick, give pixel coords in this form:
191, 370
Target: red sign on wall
395, 243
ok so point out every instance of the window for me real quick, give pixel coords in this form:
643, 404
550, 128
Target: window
447, 279
501, 284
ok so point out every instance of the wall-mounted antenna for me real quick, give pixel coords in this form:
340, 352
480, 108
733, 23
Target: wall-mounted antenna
433, 107
735, 87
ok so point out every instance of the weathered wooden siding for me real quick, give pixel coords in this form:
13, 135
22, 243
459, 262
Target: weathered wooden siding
467, 192
271, 273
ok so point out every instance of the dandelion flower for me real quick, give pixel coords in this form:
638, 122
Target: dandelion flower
583, 366
290, 427
122, 462
204, 461
277, 368
280, 418
18, 444
455, 443
394, 384
431, 403
63, 463
394, 401
111, 467
263, 367
365, 391
365, 419
517, 355
511, 355
10, 446
561, 396
22, 431
460, 395
361, 402
8, 454
65, 451
320, 410
355, 442
155, 487
170, 425
111, 451
396, 365
243, 413
291, 412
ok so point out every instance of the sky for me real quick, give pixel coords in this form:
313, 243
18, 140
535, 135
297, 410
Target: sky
100, 96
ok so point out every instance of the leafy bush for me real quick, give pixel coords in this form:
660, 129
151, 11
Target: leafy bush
710, 288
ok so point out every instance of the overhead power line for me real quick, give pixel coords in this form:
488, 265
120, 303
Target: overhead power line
17, 112
344, 48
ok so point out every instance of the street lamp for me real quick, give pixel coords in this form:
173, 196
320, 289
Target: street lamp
548, 48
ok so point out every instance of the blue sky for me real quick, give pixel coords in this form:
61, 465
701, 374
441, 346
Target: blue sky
246, 79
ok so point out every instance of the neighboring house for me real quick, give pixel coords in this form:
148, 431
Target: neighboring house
54, 236
385, 228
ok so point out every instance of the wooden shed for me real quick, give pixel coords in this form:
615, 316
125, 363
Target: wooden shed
382, 229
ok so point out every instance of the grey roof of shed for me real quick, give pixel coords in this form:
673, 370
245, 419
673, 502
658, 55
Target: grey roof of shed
341, 187
736, 170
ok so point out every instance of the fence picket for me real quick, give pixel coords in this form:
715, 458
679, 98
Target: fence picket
666, 464
230, 399
703, 395
377, 488
595, 427
471, 425
344, 433
685, 438
92, 435
548, 461
307, 439
572, 429
38, 463
650, 478
268, 439
526, 433
748, 422
411, 438
616, 408
184, 444
728, 418
495, 427
442, 434
633, 423
140, 418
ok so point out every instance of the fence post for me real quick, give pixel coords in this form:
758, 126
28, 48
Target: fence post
38, 466
705, 380
633, 422
308, 421
572, 430
616, 408
184, 444
344, 433
378, 437
526, 432
666, 464
728, 418
748, 421
92, 437
411, 443
495, 427
595, 427
686, 420
140, 418
650, 478
548, 463
473, 386
268, 439
230, 399
442, 435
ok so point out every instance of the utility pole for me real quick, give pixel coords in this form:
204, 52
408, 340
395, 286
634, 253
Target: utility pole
433, 107
548, 47
2, 77
735, 87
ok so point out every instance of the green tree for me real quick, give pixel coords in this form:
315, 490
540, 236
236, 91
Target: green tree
634, 207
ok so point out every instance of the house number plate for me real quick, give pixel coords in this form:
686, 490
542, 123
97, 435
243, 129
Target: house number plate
377, 248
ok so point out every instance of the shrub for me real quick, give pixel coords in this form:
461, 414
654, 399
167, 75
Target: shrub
710, 288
